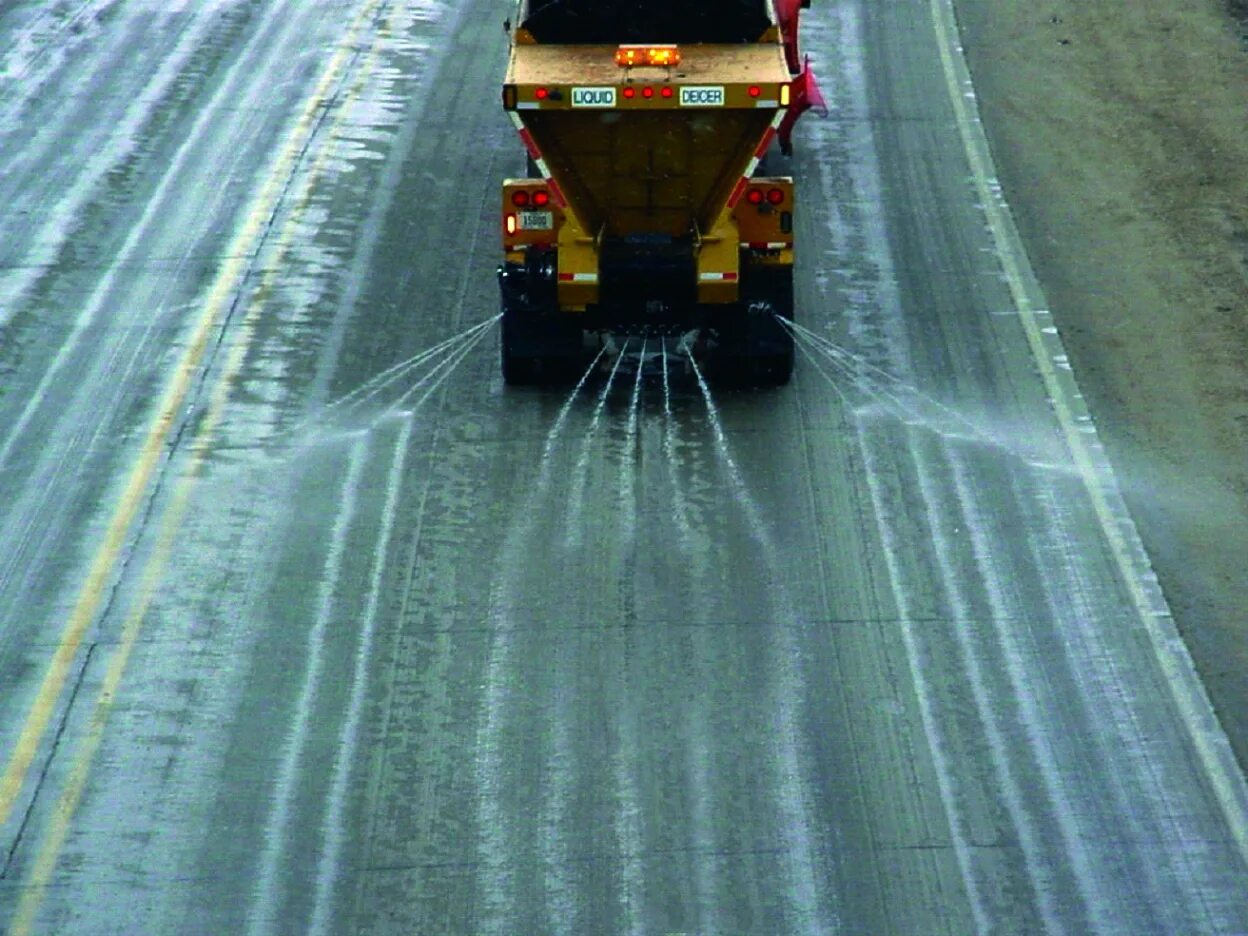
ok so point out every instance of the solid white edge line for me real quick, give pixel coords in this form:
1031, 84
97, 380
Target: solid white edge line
1186, 689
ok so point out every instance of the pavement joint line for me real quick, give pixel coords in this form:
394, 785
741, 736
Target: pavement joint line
1186, 690
28, 813
223, 298
484, 627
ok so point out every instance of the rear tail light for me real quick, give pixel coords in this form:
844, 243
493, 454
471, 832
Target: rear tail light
754, 196
667, 91
520, 199
775, 196
541, 198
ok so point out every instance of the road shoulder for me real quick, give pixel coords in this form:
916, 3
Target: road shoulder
1120, 138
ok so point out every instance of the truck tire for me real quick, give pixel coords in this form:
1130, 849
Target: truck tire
519, 370
539, 350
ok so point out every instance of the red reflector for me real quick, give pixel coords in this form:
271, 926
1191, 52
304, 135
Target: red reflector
647, 92
541, 94
775, 196
667, 91
566, 277
730, 276
629, 93
520, 198
754, 196
541, 198
755, 90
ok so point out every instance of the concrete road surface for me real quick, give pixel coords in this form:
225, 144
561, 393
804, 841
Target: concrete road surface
309, 625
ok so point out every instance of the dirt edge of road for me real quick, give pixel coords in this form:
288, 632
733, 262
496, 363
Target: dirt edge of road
1120, 132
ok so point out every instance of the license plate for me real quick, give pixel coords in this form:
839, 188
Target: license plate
536, 220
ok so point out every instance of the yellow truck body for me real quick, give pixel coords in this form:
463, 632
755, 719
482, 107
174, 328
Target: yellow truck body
642, 213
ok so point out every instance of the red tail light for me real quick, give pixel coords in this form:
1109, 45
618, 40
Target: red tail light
629, 93
520, 198
647, 92
755, 90
541, 94
667, 91
775, 196
754, 196
541, 198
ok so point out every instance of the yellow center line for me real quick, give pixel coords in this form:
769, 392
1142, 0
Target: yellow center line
45, 862
1219, 766
220, 298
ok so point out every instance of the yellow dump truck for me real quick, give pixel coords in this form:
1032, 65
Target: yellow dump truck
645, 122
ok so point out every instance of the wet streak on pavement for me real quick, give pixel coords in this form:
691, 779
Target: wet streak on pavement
639, 657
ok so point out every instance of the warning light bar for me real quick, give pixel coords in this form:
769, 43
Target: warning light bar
627, 56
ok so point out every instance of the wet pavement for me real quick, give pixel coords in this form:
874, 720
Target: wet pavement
309, 624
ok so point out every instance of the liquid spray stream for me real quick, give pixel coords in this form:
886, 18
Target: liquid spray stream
435, 378
917, 409
377, 384
576, 498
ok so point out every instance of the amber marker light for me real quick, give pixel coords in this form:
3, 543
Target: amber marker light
664, 56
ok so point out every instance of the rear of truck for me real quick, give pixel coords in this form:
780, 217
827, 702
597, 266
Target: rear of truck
644, 125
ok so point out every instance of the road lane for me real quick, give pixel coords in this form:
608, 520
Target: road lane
168, 419
113, 359
853, 656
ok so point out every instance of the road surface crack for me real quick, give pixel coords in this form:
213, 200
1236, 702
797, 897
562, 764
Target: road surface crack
11, 854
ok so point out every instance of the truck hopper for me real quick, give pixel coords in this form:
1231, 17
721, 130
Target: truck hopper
644, 125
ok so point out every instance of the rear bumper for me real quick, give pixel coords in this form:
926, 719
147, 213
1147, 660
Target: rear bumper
649, 295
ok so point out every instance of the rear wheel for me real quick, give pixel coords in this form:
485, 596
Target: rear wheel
539, 349
755, 347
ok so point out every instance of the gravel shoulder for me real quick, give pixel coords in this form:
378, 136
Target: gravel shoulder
1120, 132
